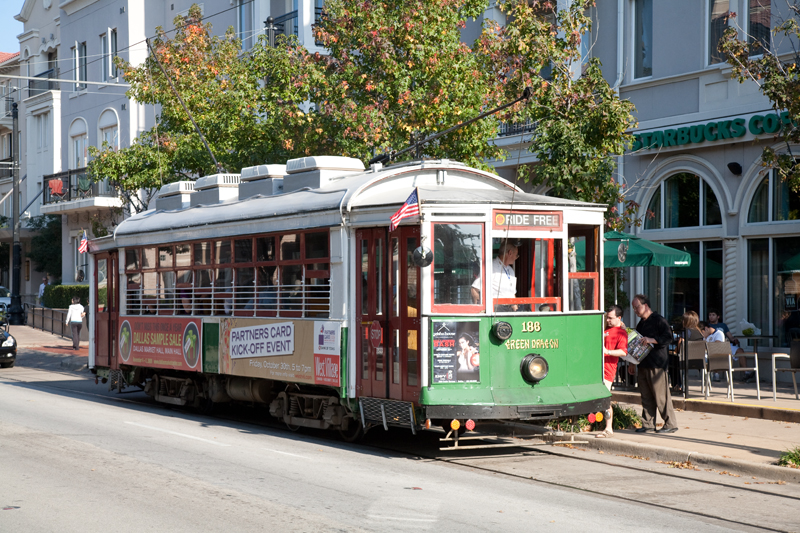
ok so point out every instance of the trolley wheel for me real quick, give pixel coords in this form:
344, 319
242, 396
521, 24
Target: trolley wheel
354, 432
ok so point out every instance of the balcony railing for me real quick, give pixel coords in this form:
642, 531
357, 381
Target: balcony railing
5, 106
287, 24
43, 83
516, 128
75, 185
6, 168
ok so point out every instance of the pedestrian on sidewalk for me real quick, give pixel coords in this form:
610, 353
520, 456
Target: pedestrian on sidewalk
41, 290
615, 345
75, 320
653, 381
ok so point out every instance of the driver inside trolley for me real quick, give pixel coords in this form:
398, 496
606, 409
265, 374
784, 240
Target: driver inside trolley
504, 279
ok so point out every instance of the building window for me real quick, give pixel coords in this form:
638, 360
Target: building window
78, 143
244, 16
774, 201
774, 269
682, 201
643, 39
42, 130
697, 287
759, 23
79, 65
718, 22
108, 129
108, 41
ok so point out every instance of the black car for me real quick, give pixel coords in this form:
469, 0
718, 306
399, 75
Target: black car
8, 350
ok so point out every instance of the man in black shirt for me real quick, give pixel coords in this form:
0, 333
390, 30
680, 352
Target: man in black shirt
653, 381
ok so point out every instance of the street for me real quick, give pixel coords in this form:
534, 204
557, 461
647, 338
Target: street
74, 457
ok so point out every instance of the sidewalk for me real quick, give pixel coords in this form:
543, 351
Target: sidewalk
746, 436
37, 348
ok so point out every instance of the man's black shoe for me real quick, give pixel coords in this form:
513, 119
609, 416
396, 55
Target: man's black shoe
667, 430
645, 430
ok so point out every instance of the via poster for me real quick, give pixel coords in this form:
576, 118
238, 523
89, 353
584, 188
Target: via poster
327, 353
160, 342
456, 351
300, 351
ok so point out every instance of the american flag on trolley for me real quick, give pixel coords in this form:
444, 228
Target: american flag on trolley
409, 209
83, 247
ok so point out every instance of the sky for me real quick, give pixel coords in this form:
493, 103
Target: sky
10, 28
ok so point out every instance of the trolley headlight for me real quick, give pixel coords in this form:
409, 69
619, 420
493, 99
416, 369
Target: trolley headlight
534, 368
502, 330
9, 342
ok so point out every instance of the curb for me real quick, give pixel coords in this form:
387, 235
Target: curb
718, 408
715, 462
663, 453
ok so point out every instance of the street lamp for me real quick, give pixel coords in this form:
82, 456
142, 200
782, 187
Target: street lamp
15, 313
269, 24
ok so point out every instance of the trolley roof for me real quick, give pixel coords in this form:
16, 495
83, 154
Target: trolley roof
438, 182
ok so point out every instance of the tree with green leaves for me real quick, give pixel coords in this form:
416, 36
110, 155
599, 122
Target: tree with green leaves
398, 70
581, 124
778, 77
244, 120
45, 250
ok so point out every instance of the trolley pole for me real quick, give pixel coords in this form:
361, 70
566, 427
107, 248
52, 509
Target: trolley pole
15, 314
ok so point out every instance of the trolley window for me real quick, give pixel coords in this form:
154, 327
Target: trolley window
263, 275
584, 268
457, 260
526, 275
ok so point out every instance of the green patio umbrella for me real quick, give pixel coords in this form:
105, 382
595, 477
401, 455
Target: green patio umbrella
625, 250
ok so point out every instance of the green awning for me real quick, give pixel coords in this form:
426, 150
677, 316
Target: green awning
641, 252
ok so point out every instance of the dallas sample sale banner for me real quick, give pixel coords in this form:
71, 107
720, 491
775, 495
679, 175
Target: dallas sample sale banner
160, 342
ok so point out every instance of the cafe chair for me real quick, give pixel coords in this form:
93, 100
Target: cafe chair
720, 359
696, 360
794, 367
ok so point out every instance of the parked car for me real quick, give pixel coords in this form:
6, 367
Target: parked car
8, 345
5, 296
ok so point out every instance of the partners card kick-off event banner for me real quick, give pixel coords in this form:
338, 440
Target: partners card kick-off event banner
299, 351
160, 342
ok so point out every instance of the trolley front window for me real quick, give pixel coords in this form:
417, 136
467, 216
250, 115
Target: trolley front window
457, 268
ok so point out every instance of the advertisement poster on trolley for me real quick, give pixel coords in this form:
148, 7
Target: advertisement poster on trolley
456, 351
160, 342
299, 351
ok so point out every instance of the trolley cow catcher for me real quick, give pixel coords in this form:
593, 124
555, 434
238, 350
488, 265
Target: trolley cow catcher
295, 287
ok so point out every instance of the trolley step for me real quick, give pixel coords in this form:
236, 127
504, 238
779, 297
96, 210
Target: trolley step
388, 413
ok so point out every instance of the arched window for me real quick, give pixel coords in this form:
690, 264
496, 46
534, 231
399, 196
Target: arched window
785, 202
78, 141
773, 260
683, 200
108, 129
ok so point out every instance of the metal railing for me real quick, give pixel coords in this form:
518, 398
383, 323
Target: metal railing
259, 300
75, 185
46, 319
287, 24
43, 84
516, 128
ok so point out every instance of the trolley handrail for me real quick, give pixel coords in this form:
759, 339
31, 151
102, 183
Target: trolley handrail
247, 300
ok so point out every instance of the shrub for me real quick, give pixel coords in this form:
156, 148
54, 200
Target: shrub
624, 418
790, 458
60, 296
